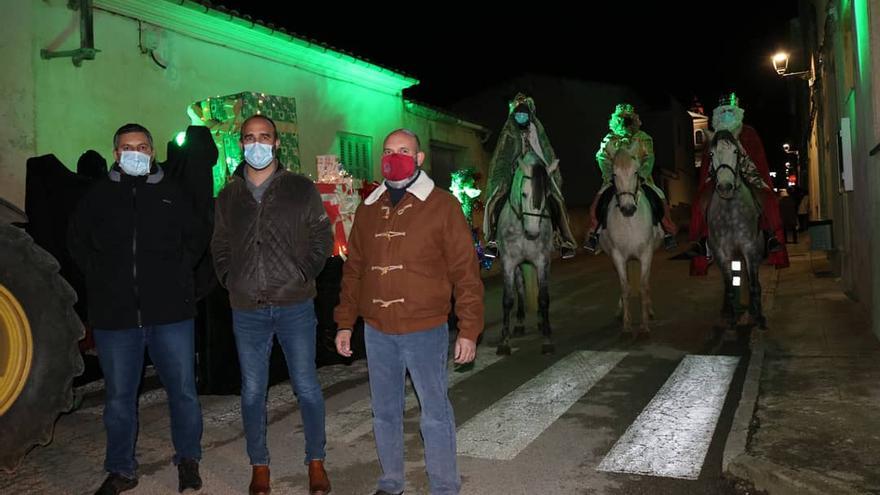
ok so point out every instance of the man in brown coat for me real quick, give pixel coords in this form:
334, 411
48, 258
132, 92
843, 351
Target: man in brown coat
410, 250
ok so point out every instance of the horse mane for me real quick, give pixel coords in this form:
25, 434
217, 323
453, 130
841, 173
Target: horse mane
724, 135
540, 181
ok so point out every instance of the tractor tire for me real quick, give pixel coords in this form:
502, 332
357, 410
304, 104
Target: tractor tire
39, 356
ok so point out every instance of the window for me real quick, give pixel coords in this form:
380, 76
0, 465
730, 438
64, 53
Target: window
355, 154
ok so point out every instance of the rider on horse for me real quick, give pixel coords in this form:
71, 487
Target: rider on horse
625, 128
728, 116
522, 133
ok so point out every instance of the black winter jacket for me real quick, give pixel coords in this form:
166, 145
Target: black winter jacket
136, 239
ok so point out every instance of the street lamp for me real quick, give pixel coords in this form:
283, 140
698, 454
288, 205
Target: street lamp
789, 151
780, 64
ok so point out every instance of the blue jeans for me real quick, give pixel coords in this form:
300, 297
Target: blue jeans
424, 354
121, 353
295, 327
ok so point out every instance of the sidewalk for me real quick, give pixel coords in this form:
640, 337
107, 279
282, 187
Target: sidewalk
815, 427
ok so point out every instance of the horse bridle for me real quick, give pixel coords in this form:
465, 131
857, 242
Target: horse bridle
635, 195
737, 180
520, 214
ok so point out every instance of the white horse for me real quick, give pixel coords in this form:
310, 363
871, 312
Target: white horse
525, 235
630, 233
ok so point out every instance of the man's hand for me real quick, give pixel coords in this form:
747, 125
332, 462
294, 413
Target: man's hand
343, 342
465, 350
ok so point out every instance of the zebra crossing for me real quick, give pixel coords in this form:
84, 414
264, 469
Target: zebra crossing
670, 437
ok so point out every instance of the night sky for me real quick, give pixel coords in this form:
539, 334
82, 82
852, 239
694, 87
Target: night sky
684, 48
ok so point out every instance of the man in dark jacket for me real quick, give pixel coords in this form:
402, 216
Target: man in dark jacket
271, 240
136, 239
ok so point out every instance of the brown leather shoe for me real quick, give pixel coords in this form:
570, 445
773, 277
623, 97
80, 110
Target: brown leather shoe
260, 481
319, 484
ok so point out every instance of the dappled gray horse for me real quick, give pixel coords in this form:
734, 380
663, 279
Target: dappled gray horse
733, 215
525, 235
630, 233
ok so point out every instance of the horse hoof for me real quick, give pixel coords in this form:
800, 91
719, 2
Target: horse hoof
548, 349
503, 350
519, 331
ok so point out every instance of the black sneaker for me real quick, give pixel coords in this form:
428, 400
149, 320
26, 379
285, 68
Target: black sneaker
115, 484
188, 475
491, 250
669, 242
383, 492
567, 253
592, 244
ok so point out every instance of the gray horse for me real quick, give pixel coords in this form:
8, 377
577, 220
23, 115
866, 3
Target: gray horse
630, 233
525, 235
733, 216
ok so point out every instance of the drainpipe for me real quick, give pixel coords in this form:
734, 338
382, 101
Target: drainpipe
86, 50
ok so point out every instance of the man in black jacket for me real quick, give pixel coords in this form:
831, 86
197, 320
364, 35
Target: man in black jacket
136, 239
271, 239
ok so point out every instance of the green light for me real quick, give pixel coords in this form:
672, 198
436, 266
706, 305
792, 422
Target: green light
181, 138
464, 187
863, 41
194, 19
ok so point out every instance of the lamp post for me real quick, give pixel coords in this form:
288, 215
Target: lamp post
780, 64
789, 151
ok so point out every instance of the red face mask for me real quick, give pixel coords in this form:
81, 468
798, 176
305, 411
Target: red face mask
397, 166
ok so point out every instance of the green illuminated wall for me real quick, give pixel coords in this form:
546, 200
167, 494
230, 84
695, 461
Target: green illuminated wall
80, 108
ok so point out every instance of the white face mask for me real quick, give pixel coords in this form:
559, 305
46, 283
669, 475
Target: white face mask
134, 163
258, 155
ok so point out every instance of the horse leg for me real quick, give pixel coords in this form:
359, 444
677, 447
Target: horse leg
620, 265
645, 290
728, 307
730, 299
520, 329
753, 264
507, 305
544, 308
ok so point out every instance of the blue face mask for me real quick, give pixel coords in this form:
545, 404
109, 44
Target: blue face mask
521, 118
258, 155
134, 163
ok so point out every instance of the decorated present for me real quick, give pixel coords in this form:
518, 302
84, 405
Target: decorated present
224, 116
340, 201
330, 170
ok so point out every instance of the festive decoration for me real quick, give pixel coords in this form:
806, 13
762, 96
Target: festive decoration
464, 187
224, 116
339, 192
330, 170
485, 261
340, 201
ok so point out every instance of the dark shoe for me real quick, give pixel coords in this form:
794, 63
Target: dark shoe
260, 481
701, 248
319, 484
669, 242
188, 475
116, 483
383, 492
773, 244
592, 244
567, 253
491, 250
